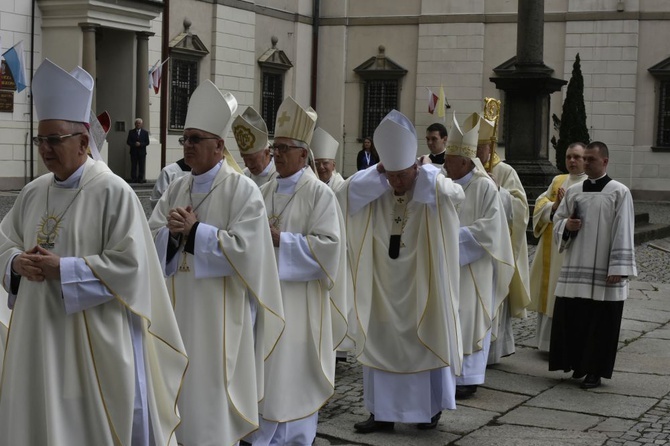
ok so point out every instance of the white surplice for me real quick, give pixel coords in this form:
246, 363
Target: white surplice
487, 267
547, 261
407, 331
168, 174
95, 358
336, 182
215, 293
300, 372
602, 247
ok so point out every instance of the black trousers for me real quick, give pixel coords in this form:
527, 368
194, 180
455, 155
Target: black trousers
585, 335
138, 160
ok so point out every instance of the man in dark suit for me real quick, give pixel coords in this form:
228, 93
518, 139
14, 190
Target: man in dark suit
138, 140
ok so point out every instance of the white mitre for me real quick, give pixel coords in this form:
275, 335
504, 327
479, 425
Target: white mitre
250, 132
396, 142
295, 122
61, 95
210, 110
463, 142
323, 145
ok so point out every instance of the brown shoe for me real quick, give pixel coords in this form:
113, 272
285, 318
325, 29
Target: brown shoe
371, 425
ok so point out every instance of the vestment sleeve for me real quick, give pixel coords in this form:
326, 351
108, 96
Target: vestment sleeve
81, 289
209, 260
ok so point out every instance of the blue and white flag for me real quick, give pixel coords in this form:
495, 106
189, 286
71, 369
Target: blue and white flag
15, 61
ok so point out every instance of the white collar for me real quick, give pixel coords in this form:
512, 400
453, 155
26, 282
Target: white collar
594, 180
287, 185
267, 169
463, 181
73, 180
203, 182
576, 177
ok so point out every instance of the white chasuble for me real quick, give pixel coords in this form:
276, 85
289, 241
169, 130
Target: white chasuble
336, 182
5, 316
300, 372
484, 281
224, 381
519, 287
547, 262
70, 378
602, 247
406, 306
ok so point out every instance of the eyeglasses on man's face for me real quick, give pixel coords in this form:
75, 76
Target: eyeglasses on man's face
195, 139
283, 148
53, 140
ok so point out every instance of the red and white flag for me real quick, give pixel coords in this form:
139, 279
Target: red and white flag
155, 75
432, 101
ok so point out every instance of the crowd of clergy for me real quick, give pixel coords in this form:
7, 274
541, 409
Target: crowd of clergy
218, 321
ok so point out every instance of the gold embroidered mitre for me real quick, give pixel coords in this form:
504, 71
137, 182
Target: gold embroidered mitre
250, 132
294, 122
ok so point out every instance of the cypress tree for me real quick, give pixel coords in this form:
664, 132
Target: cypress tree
571, 126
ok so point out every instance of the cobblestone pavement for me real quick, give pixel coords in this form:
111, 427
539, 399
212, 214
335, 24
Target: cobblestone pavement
653, 427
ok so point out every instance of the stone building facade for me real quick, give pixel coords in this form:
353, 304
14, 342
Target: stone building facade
352, 60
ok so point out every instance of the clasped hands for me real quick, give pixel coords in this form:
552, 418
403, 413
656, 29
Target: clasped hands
181, 220
37, 264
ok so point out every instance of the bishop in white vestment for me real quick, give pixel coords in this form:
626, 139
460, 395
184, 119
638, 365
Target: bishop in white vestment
402, 230
211, 233
548, 260
310, 251
594, 225
251, 136
515, 205
485, 254
94, 355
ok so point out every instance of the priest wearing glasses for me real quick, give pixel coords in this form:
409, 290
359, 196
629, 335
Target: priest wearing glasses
309, 248
82, 365
212, 238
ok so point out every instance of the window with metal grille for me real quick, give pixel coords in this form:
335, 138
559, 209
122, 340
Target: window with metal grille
272, 96
184, 80
380, 97
663, 135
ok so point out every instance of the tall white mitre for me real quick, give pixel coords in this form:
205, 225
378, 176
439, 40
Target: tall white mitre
323, 145
295, 122
396, 142
62, 95
250, 131
210, 110
486, 129
463, 142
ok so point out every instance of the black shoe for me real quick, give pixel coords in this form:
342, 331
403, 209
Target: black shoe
578, 374
244, 443
372, 425
465, 392
590, 382
433, 422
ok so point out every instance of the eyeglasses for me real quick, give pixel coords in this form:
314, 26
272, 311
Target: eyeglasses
53, 140
283, 148
195, 139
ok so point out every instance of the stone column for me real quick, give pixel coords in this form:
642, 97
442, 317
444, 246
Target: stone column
530, 34
88, 62
142, 85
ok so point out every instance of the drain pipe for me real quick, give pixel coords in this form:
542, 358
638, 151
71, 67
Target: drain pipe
315, 50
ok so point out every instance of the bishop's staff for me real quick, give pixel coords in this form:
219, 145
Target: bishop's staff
492, 113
